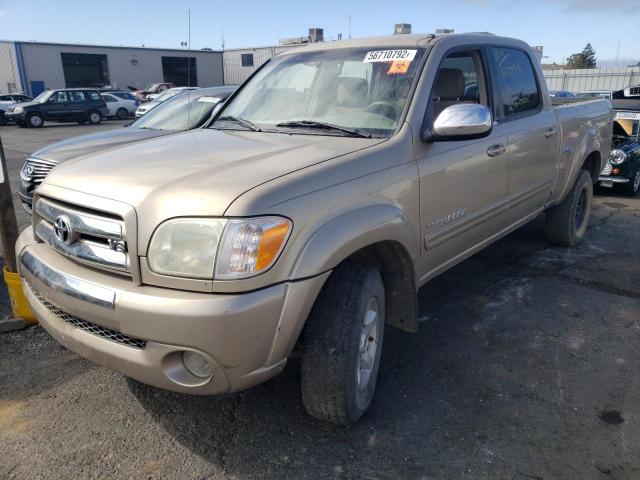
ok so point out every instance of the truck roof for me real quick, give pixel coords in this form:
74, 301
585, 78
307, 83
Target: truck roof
406, 40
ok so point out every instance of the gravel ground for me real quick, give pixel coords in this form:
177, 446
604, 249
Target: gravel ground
526, 366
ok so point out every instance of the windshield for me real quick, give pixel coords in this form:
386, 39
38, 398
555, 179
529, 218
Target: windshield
359, 91
184, 112
43, 97
151, 86
626, 127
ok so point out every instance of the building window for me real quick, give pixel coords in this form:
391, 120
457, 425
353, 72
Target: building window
85, 70
180, 71
247, 59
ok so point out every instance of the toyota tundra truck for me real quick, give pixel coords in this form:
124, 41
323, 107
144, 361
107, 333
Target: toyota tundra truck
332, 185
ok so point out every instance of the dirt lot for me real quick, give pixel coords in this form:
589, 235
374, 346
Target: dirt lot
526, 366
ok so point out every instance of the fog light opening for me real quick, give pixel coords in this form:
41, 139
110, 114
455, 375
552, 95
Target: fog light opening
196, 364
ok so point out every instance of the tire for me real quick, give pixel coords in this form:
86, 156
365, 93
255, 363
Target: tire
35, 120
633, 187
122, 114
340, 355
566, 223
94, 117
3, 120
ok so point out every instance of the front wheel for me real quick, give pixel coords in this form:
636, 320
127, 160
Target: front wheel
3, 120
35, 120
633, 187
566, 223
342, 343
122, 114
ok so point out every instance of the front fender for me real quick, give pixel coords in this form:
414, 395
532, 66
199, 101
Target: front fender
344, 235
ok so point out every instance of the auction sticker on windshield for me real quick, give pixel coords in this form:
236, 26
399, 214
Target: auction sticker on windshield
627, 116
389, 55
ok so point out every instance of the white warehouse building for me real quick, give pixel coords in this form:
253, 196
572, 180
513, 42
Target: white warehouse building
36, 66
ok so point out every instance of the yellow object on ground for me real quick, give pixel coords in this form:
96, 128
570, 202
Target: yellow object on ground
19, 305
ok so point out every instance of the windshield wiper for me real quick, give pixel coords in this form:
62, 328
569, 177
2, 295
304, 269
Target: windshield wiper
322, 126
241, 121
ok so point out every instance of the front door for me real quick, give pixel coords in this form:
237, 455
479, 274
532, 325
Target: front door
56, 107
463, 184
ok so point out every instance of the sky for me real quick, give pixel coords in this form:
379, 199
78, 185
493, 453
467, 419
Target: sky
563, 27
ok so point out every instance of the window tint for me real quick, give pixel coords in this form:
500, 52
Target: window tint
109, 98
247, 59
76, 96
94, 96
516, 80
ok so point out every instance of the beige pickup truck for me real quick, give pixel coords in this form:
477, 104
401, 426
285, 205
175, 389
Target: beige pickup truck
333, 184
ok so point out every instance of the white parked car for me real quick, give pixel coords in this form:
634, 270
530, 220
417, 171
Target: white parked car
119, 107
166, 95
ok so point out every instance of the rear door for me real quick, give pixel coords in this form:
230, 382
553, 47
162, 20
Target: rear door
112, 103
77, 104
463, 184
528, 120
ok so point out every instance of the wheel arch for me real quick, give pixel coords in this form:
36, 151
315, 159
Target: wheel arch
380, 235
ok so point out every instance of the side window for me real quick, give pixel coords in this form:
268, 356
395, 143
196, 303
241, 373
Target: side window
76, 96
459, 80
94, 96
516, 81
62, 97
109, 98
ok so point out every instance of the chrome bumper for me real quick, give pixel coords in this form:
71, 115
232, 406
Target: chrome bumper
613, 179
74, 287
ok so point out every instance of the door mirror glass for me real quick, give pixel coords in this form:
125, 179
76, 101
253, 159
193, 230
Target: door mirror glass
462, 121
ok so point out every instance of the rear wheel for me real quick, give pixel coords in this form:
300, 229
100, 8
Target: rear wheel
35, 120
566, 223
3, 120
342, 343
122, 113
94, 117
633, 187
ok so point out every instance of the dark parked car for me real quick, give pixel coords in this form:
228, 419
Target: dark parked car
185, 111
15, 97
622, 168
71, 104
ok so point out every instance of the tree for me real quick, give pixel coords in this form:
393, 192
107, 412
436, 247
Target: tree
584, 59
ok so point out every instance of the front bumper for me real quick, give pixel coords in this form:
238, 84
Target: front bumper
246, 338
613, 179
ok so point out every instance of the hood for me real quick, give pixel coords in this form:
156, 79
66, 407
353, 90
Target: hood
88, 144
198, 172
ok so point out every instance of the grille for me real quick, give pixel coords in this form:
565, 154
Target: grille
35, 169
634, 91
92, 328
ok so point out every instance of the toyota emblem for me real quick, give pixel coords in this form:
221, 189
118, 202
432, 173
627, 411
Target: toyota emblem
62, 229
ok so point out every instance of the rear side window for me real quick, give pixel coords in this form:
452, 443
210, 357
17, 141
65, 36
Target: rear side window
94, 96
516, 81
76, 96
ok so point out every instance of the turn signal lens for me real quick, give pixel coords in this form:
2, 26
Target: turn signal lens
250, 246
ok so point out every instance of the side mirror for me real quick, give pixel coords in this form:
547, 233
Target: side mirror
462, 121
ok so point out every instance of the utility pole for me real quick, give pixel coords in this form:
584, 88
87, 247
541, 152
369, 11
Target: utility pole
349, 27
8, 238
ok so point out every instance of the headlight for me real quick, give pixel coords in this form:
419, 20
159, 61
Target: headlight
616, 157
186, 247
18, 109
250, 246
234, 248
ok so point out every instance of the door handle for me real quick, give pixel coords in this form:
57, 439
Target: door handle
497, 149
550, 132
